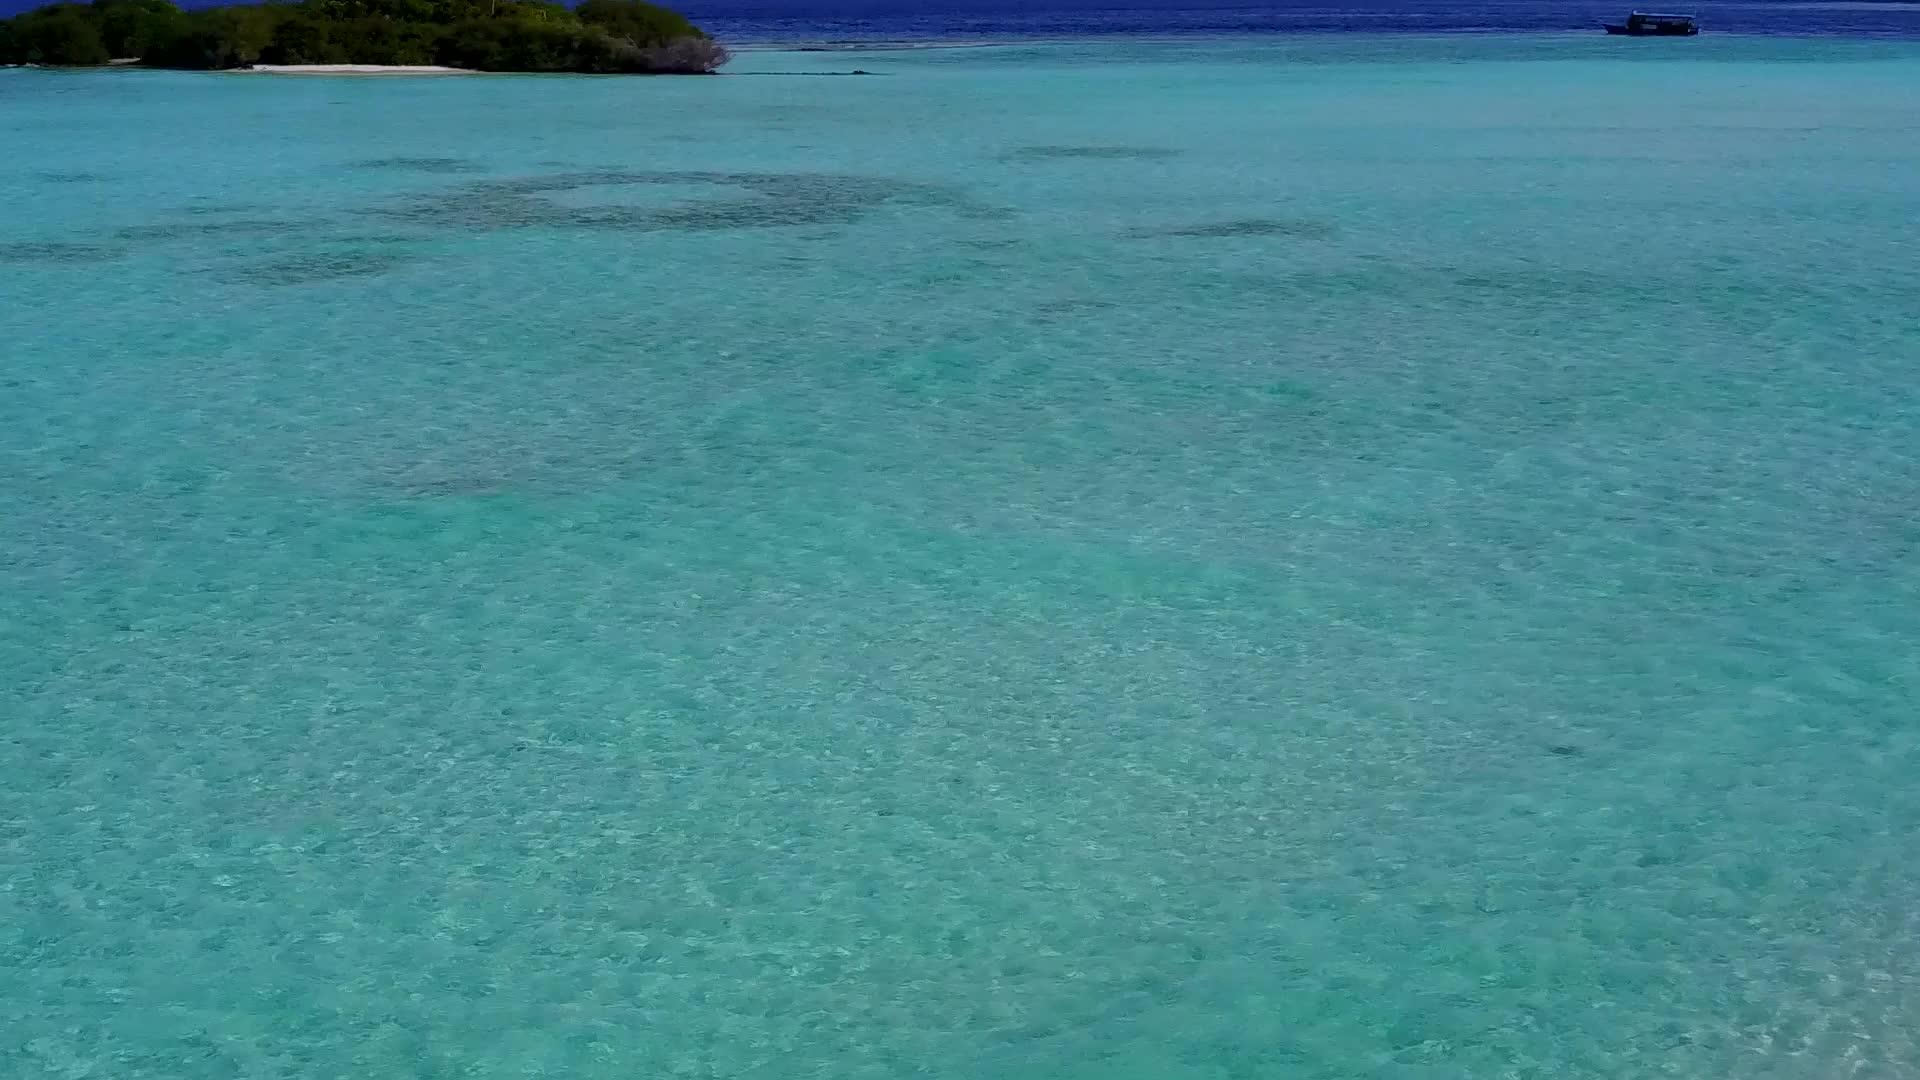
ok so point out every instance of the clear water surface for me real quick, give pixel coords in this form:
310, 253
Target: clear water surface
1309, 557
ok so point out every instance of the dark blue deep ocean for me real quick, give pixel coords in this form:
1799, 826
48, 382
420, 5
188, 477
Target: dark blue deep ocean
895, 20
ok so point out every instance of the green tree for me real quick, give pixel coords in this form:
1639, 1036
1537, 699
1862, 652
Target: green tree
62, 34
641, 23
516, 45
302, 38
219, 38
489, 35
534, 11
129, 28
373, 40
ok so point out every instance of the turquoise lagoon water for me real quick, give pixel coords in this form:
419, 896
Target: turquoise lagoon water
1314, 558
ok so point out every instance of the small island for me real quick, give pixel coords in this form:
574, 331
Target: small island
597, 37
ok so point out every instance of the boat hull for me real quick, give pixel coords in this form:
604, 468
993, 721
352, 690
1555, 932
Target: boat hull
1628, 31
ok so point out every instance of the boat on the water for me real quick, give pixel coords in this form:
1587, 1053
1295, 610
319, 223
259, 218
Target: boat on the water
1647, 24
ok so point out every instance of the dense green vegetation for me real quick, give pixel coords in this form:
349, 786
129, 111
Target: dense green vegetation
487, 35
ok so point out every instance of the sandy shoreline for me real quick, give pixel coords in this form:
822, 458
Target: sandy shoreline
358, 69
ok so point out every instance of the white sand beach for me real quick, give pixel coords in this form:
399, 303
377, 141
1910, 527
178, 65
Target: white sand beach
358, 69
